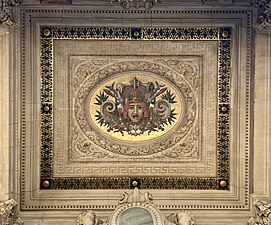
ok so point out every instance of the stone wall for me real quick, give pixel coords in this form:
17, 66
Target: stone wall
250, 168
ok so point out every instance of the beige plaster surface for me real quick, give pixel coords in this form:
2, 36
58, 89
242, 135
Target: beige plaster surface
260, 173
262, 110
4, 114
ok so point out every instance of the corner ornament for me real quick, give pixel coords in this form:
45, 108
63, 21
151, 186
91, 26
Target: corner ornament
8, 213
263, 213
264, 14
137, 208
6, 12
147, 4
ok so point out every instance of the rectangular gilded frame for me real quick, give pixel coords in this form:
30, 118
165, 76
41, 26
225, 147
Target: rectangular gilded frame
222, 35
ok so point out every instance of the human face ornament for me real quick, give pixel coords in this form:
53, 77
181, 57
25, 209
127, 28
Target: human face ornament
135, 112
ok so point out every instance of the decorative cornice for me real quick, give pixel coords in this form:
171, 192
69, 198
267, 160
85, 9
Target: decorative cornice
264, 13
147, 4
263, 213
8, 213
6, 12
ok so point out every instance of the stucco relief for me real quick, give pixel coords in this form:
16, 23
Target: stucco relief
6, 12
263, 213
264, 14
84, 76
111, 141
137, 208
8, 213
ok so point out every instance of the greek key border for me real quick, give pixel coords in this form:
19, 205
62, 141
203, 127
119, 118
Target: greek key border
220, 34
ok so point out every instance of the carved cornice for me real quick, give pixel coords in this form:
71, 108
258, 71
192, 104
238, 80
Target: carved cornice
263, 213
147, 4
264, 13
8, 213
6, 12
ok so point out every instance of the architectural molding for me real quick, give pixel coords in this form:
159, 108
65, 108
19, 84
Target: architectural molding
264, 14
140, 206
6, 12
8, 213
263, 213
4, 112
217, 2
147, 4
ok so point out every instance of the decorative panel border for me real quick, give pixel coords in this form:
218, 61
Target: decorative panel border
220, 34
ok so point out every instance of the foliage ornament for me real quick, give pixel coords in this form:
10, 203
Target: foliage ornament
135, 108
263, 213
6, 12
8, 213
264, 14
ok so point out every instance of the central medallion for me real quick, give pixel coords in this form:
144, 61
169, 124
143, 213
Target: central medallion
135, 107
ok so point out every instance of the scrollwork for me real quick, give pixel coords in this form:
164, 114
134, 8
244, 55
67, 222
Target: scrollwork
163, 108
135, 197
108, 108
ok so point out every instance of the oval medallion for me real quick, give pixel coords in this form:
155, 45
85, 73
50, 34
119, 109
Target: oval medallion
135, 107
128, 109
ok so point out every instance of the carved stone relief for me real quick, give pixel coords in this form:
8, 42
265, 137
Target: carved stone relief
91, 74
147, 4
137, 208
130, 69
82, 141
263, 213
8, 213
6, 12
264, 13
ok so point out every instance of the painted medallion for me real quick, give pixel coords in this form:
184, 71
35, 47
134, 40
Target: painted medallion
135, 107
